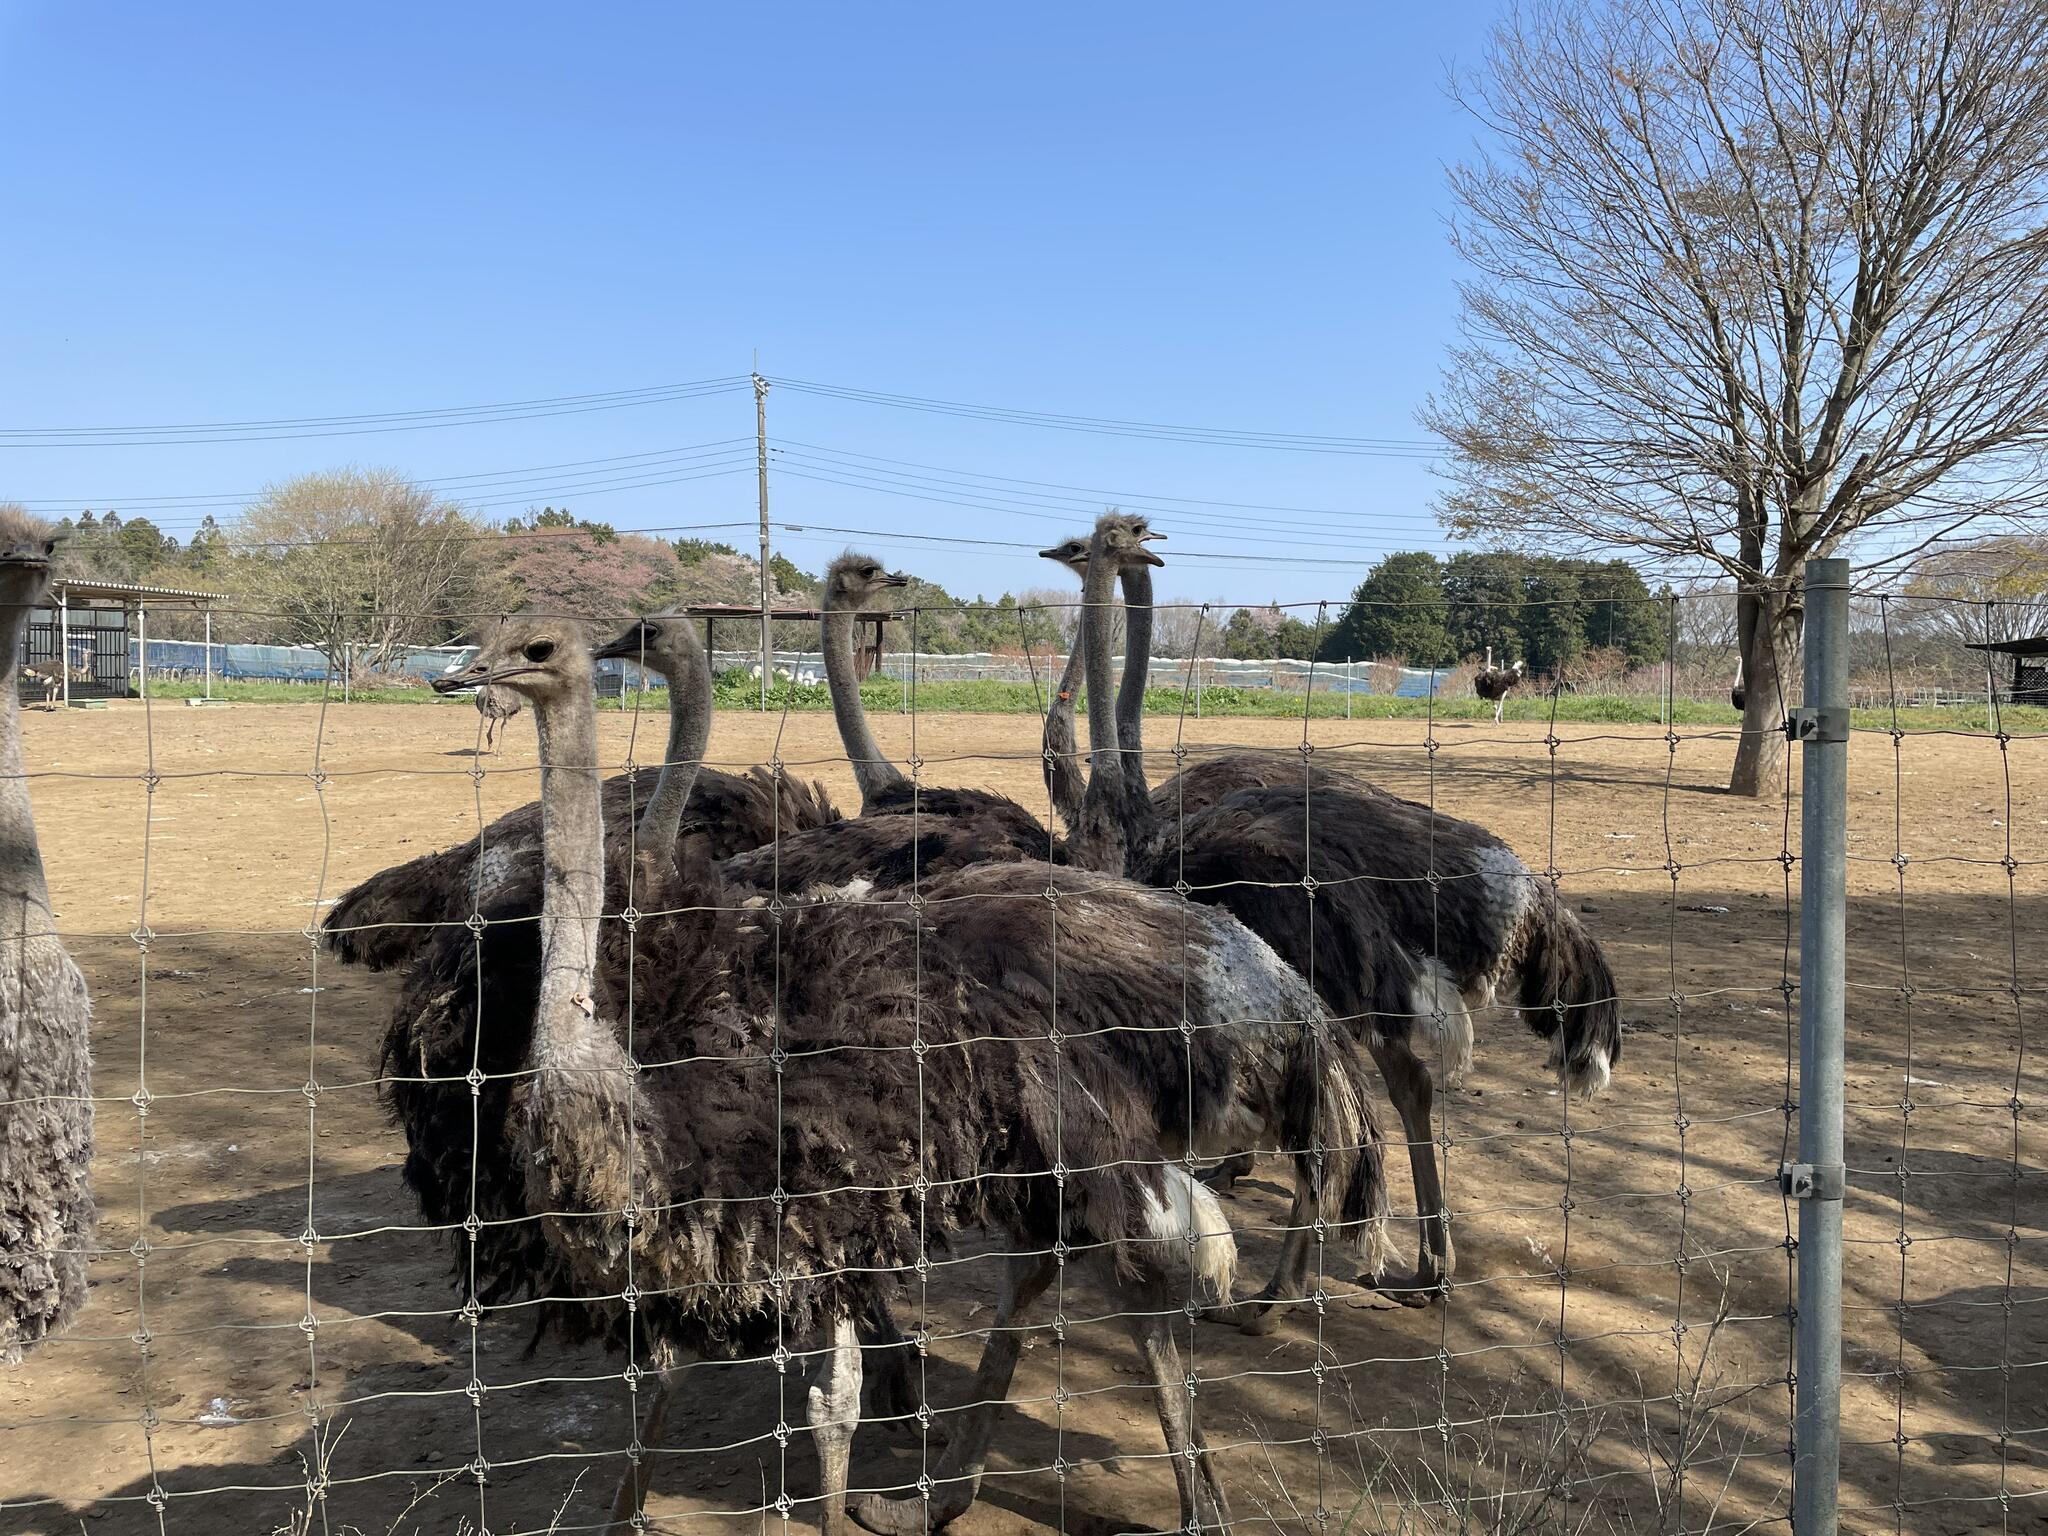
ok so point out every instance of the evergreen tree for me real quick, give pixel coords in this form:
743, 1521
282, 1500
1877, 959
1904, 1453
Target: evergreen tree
1398, 610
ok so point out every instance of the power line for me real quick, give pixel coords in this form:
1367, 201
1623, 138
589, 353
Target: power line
1229, 437
231, 500
1062, 516
1059, 507
286, 428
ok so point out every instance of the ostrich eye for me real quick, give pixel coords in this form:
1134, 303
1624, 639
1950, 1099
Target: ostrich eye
539, 650
49, 546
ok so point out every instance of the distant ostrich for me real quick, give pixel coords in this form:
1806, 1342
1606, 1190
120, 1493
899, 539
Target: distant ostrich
51, 684
1494, 684
496, 705
1062, 762
46, 1206
1390, 948
1738, 691
693, 1148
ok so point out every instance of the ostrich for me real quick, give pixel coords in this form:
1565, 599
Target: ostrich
387, 921
658, 1177
46, 1206
49, 684
1062, 762
496, 705
1494, 684
1419, 919
884, 854
1738, 691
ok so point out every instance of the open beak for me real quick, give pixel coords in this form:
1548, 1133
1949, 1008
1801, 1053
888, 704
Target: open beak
1147, 556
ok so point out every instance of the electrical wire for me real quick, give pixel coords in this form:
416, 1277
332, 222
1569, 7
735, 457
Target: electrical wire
286, 428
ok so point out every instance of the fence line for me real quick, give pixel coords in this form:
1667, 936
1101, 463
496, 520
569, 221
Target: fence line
1534, 1369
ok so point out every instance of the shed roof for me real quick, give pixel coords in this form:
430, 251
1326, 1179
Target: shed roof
793, 615
70, 589
2036, 645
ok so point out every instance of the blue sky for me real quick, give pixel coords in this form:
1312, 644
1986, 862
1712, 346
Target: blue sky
1226, 216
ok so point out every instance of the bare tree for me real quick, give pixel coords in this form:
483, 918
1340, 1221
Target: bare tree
1986, 590
1755, 279
1180, 629
364, 558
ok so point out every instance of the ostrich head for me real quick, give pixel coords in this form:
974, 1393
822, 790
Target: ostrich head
1073, 553
853, 580
540, 658
666, 643
27, 546
1123, 536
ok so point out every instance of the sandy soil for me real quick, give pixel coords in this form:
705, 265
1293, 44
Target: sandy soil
285, 1279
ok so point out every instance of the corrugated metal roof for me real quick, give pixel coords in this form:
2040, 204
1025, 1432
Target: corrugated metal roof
2037, 645
128, 589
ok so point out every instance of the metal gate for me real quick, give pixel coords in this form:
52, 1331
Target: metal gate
98, 652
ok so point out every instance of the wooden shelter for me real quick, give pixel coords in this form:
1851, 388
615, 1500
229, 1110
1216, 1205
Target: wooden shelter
867, 656
93, 635
2029, 667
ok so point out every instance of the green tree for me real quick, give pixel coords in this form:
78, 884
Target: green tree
1621, 613
1486, 595
697, 551
1552, 621
1246, 639
1398, 610
1294, 638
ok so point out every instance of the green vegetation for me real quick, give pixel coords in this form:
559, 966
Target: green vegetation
738, 691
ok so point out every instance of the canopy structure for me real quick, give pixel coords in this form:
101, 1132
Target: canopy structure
867, 655
2029, 666
93, 635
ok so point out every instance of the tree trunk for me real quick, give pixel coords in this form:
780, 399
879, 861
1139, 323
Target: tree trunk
1767, 630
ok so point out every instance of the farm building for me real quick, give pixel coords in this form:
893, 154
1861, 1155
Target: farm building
83, 645
2029, 667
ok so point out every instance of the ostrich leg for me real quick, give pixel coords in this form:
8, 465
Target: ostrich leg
1413, 1094
1202, 1505
957, 1478
632, 1495
834, 1404
889, 1380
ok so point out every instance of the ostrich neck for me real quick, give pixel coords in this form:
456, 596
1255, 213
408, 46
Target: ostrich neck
566, 1028
1130, 693
1100, 843
1063, 772
689, 733
21, 859
871, 770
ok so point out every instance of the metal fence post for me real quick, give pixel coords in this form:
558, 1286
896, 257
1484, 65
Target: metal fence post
1821, 726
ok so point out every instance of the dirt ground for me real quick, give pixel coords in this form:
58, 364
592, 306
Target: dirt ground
285, 1279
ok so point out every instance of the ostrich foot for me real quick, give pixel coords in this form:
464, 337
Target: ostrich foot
912, 1516
1257, 1315
1227, 1173
1418, 1289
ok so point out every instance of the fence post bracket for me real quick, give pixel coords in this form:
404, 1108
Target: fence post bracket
1827, 723
1812, 1181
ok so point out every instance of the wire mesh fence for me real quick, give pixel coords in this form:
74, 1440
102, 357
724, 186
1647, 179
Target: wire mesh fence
350, 1274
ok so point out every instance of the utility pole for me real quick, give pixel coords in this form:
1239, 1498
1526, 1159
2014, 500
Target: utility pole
761, 455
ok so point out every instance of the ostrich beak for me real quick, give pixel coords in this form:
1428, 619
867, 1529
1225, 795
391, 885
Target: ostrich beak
895, 579
632, 643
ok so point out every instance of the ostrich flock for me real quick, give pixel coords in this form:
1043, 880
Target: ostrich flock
709, 1066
